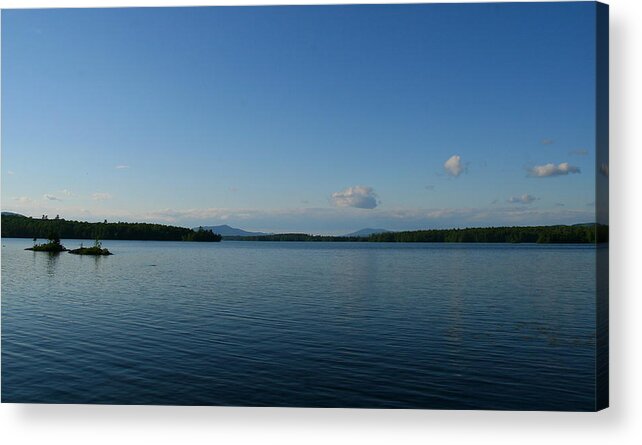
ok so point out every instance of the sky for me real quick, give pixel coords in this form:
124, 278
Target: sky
316, 119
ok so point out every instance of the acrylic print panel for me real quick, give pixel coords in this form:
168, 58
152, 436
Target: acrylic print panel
375, 206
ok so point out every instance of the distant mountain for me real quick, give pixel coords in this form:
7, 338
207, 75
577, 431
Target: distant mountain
367, 232
11, 214
226, 230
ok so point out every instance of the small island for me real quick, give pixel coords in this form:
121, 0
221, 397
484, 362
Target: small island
52, 246
96, 249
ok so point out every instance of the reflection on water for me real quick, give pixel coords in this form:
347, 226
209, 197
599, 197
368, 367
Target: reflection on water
51, 260
301, 324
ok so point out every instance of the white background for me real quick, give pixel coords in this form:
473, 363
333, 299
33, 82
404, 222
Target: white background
622, 423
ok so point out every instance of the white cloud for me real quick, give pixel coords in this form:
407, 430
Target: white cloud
523, 199
10, 172
122, 166
359, 196
547, 141
579, 152
100, 196
51, 197
454, 166
546, 170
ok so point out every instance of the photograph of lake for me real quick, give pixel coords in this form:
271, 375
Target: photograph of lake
346, 206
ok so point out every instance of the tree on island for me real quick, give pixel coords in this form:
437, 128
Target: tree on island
54, 238
52, 246
96, 249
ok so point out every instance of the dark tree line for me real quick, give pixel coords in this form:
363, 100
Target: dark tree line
294, 237
534, 234
584, 233
202, 234
18, 226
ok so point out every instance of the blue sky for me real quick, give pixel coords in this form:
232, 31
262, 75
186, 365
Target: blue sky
315, 119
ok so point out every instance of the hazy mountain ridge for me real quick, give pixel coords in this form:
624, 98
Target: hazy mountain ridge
367, 232
226, 230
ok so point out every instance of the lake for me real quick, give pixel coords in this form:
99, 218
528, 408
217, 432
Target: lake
449, 326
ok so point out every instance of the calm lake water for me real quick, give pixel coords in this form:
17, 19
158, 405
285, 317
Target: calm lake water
301, 324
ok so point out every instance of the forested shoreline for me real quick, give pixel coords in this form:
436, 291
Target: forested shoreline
18, 226
577, 234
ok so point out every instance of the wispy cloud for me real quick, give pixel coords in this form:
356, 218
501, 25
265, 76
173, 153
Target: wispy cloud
122, 166
547, 170
100, 196
359, 196
430, 187
335, 220
51, 197
23, 200
578, 152
323, 220
10, 172
523, 199
453, 166
547, 141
